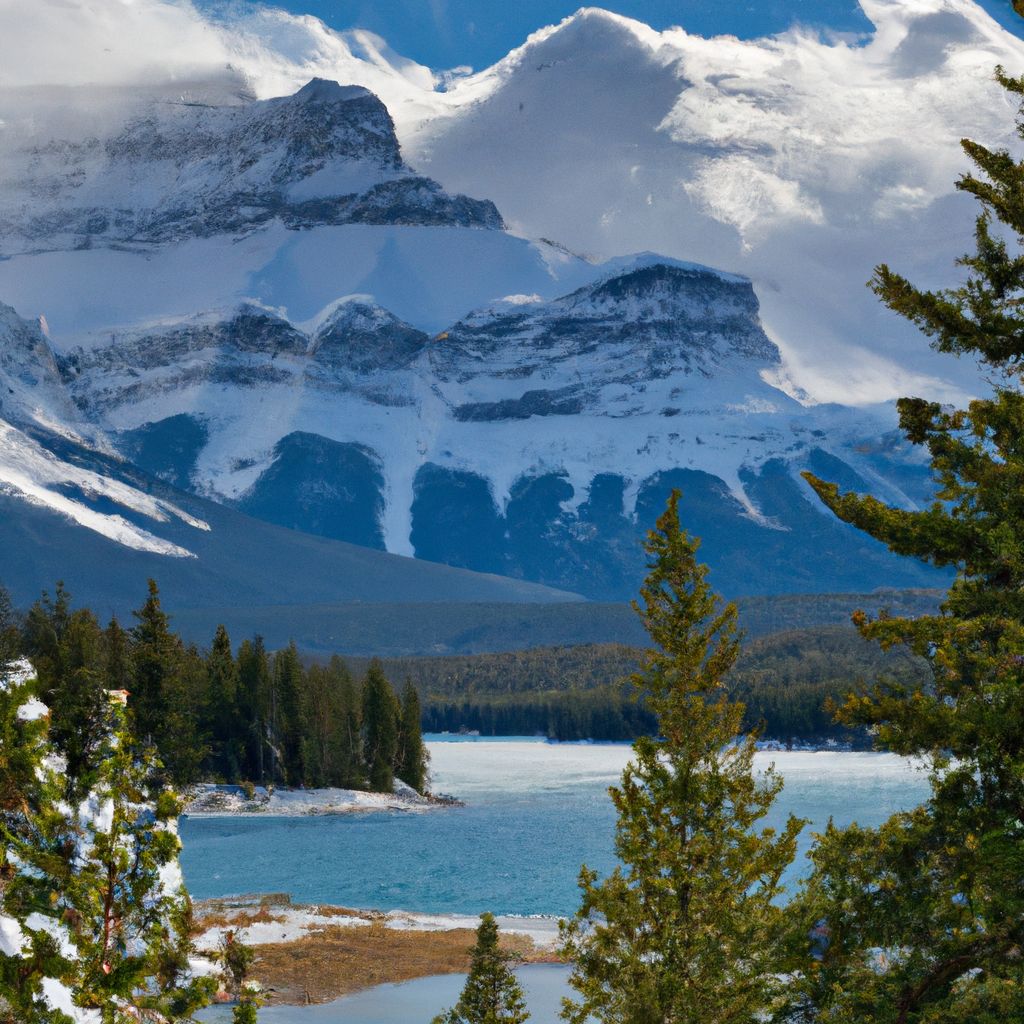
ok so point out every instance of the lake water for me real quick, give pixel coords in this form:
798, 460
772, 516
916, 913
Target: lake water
414, 1002
534, 812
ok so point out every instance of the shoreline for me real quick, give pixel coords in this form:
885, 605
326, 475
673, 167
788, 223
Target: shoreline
216, 800
315, 953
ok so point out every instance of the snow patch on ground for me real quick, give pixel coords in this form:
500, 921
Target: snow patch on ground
214, 801
257, 925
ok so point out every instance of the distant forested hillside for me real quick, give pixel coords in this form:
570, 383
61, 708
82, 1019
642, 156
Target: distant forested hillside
401, 628
570, 693
247, 713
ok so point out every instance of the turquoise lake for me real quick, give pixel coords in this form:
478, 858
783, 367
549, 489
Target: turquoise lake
534, 812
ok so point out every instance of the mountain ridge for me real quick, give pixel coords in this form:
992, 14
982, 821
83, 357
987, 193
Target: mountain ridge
533, 433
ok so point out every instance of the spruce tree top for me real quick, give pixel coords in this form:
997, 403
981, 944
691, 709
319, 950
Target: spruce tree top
491, 994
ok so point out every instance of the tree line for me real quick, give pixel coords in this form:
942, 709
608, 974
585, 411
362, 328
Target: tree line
216, 714
788, 684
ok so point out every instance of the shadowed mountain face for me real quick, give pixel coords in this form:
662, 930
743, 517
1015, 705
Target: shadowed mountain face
104, 526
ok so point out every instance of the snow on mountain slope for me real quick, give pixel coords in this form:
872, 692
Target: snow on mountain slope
648, 341
30, 472
801, 161
72, 509
429, 276
327, 154
185, 205
34, 400
238, 562
525, 424
31, 389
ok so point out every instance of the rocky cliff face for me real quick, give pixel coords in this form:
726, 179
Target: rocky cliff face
326, 155
32, 390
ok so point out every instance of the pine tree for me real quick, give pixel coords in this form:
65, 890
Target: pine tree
412, 759
64, 646
491, 994
153, 654
10, 634
253, 708
922, 920
31, 961
348, 726
221, 699
380, 728
183, 744
117, 666
94, 915
687, 930
288, 723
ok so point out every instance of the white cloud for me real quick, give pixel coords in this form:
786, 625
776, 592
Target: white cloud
104, 42
800, 160
737, 190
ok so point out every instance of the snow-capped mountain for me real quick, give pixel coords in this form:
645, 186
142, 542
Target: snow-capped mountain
72, 509
186, 169
530, 438
261, 303
801, 159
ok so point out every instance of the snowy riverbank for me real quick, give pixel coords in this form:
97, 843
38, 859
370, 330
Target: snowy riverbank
209, 800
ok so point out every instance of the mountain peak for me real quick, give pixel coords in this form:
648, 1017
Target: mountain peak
593, 27
325, 90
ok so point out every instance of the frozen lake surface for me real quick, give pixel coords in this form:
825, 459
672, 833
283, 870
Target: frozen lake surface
534, 812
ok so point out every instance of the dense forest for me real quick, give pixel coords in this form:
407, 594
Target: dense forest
217, 714
786, 681
275, 717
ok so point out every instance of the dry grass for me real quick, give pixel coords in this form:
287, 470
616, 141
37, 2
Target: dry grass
237, 919
336, 961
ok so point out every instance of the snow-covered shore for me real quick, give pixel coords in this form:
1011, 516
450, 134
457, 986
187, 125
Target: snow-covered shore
209, 800
258, 924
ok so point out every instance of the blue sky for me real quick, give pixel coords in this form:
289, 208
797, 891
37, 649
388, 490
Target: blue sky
448, 33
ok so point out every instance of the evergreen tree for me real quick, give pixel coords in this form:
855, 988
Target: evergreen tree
348, 727
153, 654
249, 1002
184, 746
30, 823
687, 930
10, 634
94, 916
922, 920
380, 728
323, 717
64, 646
253, 708
491, 994
411, 762
287, 725
117, 664
221, 702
